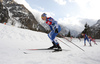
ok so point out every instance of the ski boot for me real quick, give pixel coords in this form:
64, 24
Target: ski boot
58, 48
90, 44
84, 44
54, 46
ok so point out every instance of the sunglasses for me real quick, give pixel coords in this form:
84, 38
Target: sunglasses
42, 17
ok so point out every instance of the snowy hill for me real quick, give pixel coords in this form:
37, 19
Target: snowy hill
18, 15
14, 42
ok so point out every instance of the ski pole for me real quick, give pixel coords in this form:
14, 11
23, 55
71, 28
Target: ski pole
71, 42
63, 42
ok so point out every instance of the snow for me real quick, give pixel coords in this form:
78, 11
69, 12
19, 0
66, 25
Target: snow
14, 42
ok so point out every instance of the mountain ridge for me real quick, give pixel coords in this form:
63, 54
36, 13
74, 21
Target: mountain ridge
18, 15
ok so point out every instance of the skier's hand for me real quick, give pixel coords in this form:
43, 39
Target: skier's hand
56, 30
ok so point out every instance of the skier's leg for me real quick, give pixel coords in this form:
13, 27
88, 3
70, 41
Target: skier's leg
84, 41
55, 34
58, 46
89, 42
50, 35
56, 42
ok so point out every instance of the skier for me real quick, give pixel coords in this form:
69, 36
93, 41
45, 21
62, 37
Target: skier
55, 29
86, 38
71, 38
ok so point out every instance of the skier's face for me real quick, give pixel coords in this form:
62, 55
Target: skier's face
82, 34
43, 18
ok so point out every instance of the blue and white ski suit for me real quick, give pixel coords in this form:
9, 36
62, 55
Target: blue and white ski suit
86, 38
53, 26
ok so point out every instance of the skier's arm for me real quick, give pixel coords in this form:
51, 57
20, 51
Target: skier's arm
53, 22
56, 24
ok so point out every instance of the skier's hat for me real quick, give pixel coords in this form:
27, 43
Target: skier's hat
43, 15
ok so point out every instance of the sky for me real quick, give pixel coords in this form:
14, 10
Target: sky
71, 13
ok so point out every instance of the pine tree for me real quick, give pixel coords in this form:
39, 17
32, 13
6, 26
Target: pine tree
69, 35
87, 29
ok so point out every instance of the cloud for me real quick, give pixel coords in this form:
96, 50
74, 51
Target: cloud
41, 8
24, 3
35, 12
61, 2
89, 13
88, 8
90, 22
71, 22
76, 23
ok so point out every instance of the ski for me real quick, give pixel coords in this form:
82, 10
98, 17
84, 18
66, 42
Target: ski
53, 50
56, 50
40, 49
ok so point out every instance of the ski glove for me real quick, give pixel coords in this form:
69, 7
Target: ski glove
56, 30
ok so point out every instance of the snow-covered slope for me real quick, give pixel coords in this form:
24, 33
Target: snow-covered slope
18, 15
14, 42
